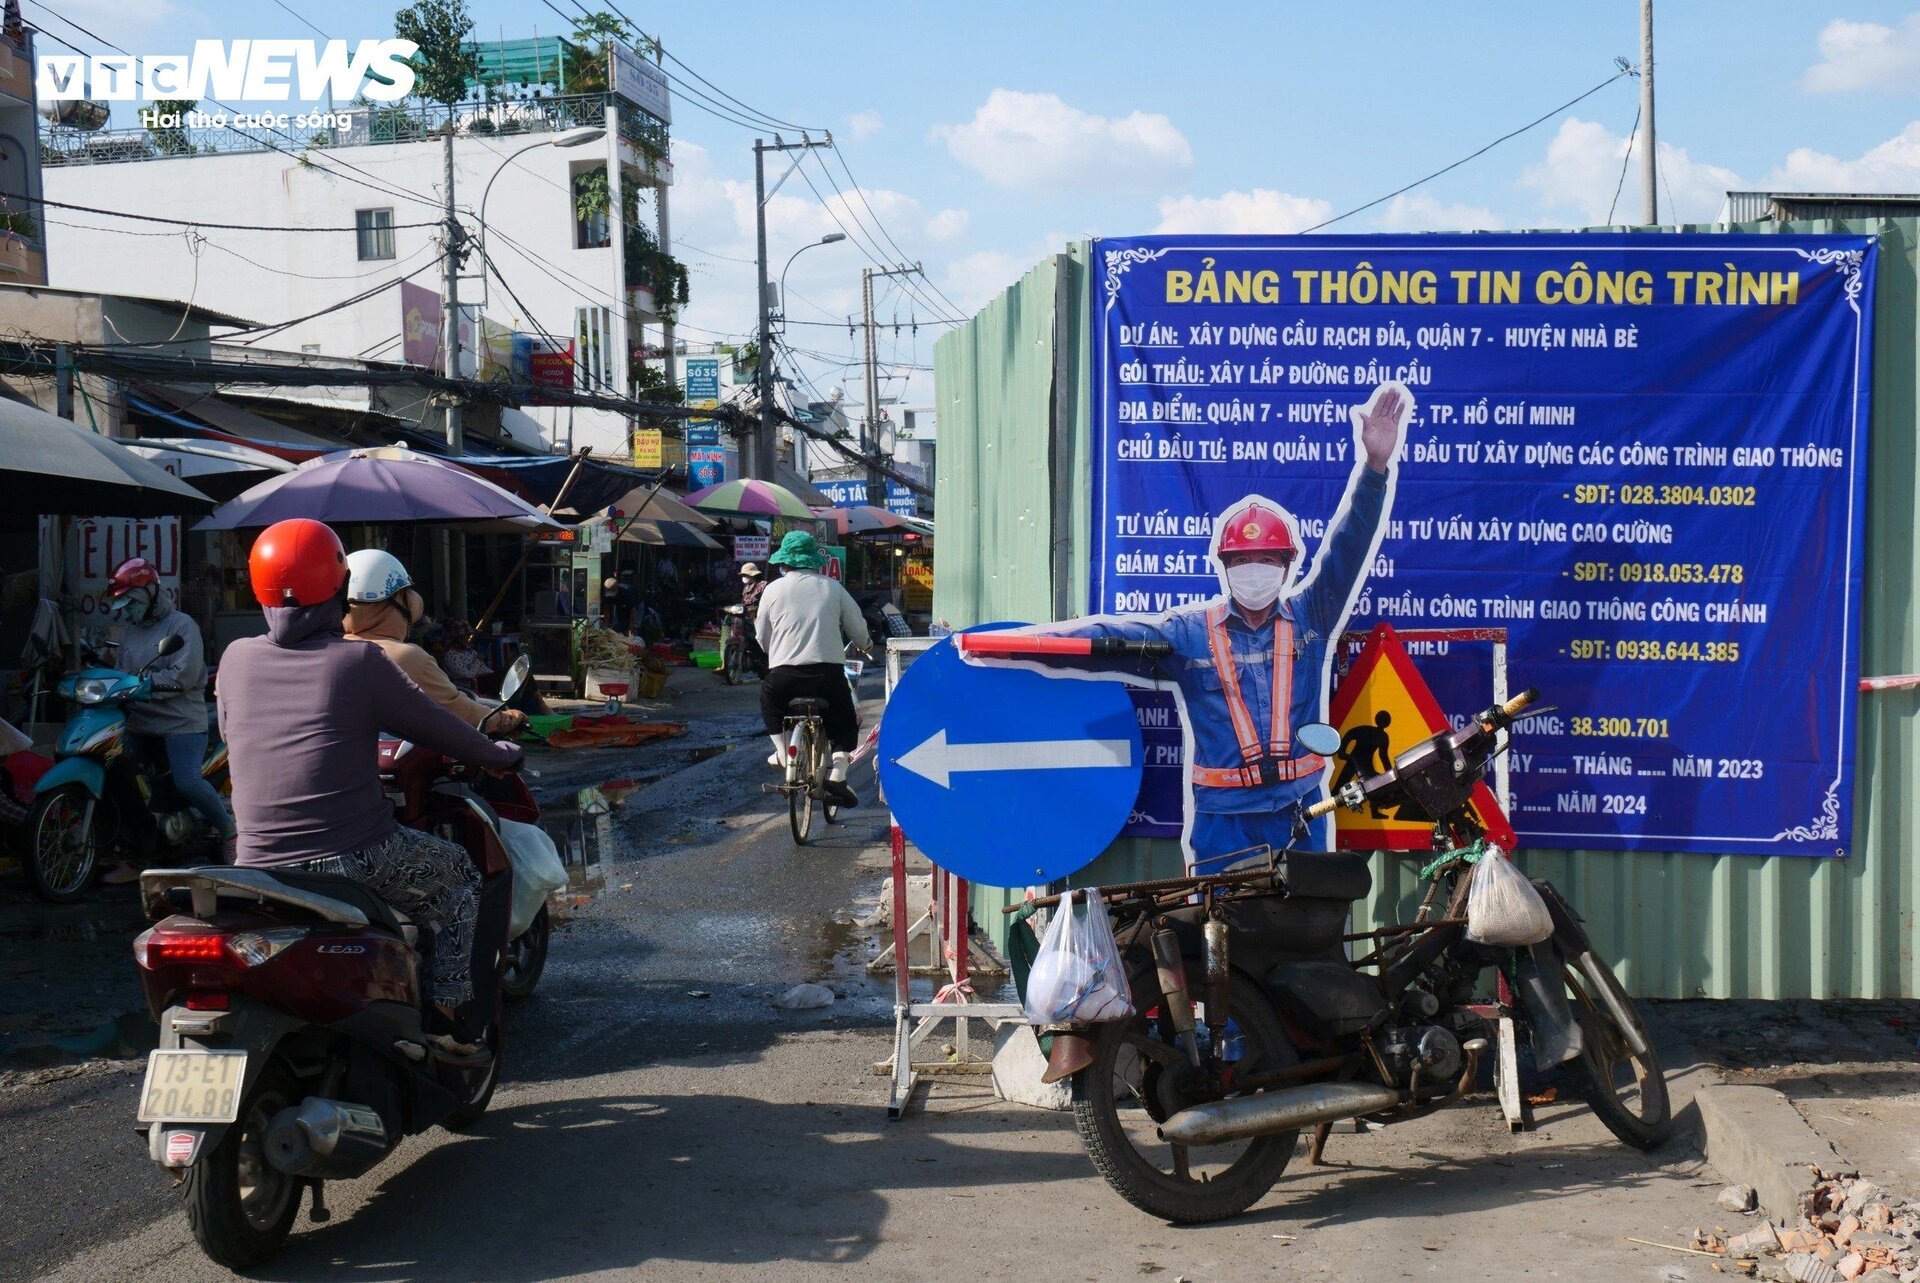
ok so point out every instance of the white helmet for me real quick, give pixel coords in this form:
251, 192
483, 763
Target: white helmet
374, 574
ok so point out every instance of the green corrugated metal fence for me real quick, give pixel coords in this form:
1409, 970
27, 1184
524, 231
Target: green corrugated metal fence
1013, 387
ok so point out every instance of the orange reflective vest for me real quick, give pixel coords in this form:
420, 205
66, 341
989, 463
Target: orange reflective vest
1264, 760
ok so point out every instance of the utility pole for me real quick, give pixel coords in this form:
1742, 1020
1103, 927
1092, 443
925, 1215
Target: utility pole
1649, 164
758, 462
870, 421
450, 307
670, 363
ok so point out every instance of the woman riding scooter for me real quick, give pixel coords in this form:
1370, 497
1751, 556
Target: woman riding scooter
302, 710
382, 607
168, 731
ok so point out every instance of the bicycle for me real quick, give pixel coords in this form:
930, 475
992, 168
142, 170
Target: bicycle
809, 755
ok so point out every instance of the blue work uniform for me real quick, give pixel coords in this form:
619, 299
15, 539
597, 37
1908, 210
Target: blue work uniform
1246, 773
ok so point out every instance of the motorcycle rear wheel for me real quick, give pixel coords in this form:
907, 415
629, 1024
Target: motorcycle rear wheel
470, 1111
64, 837
241, 1207
1129, 1088
1627, 1092
526, 958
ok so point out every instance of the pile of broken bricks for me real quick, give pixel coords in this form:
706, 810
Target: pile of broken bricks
1849, 1229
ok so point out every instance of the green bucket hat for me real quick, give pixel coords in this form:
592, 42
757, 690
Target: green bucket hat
799, 549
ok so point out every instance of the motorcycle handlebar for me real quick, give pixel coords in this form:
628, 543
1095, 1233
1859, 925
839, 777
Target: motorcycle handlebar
1322, 807
1518, 704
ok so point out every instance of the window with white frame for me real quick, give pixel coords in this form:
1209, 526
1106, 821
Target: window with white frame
374, 231
593, 353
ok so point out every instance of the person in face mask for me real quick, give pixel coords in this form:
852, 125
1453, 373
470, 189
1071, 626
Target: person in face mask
383, 608
170, 729
1250, 665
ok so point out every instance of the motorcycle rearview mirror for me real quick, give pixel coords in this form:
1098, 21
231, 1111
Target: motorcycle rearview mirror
1318, 738
171, 644
517, 673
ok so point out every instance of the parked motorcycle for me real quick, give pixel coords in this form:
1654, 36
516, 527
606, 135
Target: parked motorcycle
97, 795
291, 1009
1252, 1023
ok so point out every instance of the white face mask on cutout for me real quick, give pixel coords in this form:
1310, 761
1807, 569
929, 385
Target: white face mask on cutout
1255, 585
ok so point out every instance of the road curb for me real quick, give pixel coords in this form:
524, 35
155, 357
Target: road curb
1750, 1135
1754, 1136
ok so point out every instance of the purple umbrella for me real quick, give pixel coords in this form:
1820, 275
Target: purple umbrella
386, 486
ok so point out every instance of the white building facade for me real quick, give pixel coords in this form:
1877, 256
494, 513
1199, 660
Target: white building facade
538, 267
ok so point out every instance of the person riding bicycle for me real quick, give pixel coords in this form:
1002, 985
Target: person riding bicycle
806, 623
171, 728
382, 608
303, 709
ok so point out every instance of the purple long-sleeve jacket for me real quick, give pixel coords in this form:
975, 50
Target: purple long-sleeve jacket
302, 710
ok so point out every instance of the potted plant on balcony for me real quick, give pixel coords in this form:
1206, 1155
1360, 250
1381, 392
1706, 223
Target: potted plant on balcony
17, 233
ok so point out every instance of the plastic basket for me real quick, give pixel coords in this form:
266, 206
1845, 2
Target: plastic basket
706, 658
651, 685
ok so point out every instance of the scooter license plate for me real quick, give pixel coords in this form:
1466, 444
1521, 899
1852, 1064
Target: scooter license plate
192, 1086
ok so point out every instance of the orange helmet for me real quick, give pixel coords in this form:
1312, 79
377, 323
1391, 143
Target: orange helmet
297, 562
1256, 527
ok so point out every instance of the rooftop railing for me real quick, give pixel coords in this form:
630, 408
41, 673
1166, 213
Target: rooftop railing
359, 126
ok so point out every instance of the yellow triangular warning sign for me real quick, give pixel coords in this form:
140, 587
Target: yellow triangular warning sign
1381, 710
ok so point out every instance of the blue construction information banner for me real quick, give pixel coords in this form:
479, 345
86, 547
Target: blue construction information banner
1641, 456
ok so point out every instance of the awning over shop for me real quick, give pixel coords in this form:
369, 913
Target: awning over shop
220, 468
538, 479
202, 412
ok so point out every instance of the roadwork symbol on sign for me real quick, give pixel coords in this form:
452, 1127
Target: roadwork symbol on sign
1381, 709
1005, 776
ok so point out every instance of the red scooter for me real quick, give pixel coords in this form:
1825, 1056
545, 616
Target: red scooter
291, 1005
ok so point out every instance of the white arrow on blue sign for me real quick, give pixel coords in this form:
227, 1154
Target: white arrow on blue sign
1005, 776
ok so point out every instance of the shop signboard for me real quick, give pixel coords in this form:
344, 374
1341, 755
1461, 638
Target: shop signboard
836, 567
706, 466
1643, 458
640, 82
916, 583
845, 494
550, 371
420, 325
703, 432
703, 381
647, 447
752, 547
900, 501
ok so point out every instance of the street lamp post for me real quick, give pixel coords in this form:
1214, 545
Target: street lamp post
831, 238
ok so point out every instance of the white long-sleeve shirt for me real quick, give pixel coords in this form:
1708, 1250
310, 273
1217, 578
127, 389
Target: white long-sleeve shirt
807, 618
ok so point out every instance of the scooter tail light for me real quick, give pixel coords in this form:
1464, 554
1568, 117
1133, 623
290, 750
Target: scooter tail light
251, 948
163, 946
208, 1000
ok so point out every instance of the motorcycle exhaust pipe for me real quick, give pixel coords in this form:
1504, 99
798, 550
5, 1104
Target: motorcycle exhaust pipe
1275, 1111
326, 1139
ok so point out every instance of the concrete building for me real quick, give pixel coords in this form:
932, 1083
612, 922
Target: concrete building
549, 259
23, 247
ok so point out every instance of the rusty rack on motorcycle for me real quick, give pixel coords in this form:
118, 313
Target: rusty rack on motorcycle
1191, 884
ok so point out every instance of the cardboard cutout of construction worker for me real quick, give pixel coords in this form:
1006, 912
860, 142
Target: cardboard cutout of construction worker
1252, 664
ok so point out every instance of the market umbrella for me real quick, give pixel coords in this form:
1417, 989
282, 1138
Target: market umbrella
862, 519
652, 503
751, 499
388, 485
48, 465
670, 534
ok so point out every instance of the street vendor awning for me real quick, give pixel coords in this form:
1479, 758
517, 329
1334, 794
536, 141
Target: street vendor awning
670, 534
538, 480
48, 465
218, 467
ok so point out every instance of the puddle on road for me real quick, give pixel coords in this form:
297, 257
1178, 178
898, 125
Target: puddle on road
582, 829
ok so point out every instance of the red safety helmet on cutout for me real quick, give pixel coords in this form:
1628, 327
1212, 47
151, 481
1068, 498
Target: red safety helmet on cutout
134, 572
297, 562
1256, 527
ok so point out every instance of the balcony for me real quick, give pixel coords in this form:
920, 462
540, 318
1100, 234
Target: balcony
409, 122
23, 260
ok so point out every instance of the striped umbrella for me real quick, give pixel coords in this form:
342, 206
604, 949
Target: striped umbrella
746, 498
864, 519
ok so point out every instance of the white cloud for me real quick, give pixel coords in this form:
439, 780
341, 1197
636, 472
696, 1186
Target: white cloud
1866, 55
864, 124
1891, 166
1023, 140
1419, 212
947, 225
1242, 213
1581, 172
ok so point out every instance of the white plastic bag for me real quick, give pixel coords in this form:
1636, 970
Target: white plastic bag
537, 870
1078, 977
1503, 908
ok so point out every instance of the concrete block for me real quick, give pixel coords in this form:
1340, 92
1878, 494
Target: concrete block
1754, 1136
1018, 1066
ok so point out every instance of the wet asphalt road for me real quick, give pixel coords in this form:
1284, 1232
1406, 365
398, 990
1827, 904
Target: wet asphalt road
689, 910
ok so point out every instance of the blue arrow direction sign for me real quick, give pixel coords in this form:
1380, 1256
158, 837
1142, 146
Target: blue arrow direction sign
1006, 776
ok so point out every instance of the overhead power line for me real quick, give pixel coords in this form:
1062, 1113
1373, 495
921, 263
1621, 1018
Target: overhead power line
187, 222
1539, 120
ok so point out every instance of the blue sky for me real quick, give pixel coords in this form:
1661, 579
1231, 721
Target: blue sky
987, 134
